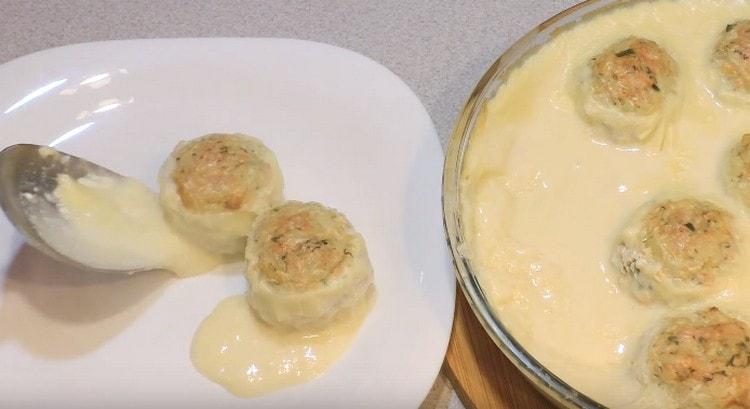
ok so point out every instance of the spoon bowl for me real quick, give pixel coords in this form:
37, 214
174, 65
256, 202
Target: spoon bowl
28, 178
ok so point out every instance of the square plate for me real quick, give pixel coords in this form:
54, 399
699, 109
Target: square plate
347, 133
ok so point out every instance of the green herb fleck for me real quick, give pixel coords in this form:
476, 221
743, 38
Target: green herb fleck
624, 53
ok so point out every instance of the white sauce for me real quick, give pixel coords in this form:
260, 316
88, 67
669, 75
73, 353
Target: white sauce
235, 349
116, 223
544, 197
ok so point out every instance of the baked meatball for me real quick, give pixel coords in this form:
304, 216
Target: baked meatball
703, 360
732, 56
213, 187
738, 170
674, 250
627, 88
305, 264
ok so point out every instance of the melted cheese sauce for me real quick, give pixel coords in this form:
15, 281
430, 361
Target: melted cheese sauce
117, 223
235, 349
544, 196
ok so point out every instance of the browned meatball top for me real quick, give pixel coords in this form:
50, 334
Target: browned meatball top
704, 360
732, 55
301, 245
218, 172
691, 238
633, 75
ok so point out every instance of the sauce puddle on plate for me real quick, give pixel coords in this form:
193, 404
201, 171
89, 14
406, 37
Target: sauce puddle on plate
237, 350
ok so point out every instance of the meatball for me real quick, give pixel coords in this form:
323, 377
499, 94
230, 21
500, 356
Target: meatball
674, 250
703, 360
631, 73
305, 264
738, 170
626, 87
213, 187
732, 56
218, 173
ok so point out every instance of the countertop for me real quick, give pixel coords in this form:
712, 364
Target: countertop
439, 48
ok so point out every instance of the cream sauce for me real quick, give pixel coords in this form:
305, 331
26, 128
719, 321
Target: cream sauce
116, 223
544, 195
237, 350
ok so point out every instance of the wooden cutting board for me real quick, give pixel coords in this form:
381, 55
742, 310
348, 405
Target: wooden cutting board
482, 376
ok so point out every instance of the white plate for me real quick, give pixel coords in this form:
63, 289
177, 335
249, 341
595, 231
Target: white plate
347, 132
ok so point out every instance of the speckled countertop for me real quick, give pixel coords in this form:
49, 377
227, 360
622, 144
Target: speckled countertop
439, 47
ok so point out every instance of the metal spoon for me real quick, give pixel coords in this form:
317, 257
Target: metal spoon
28, 170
